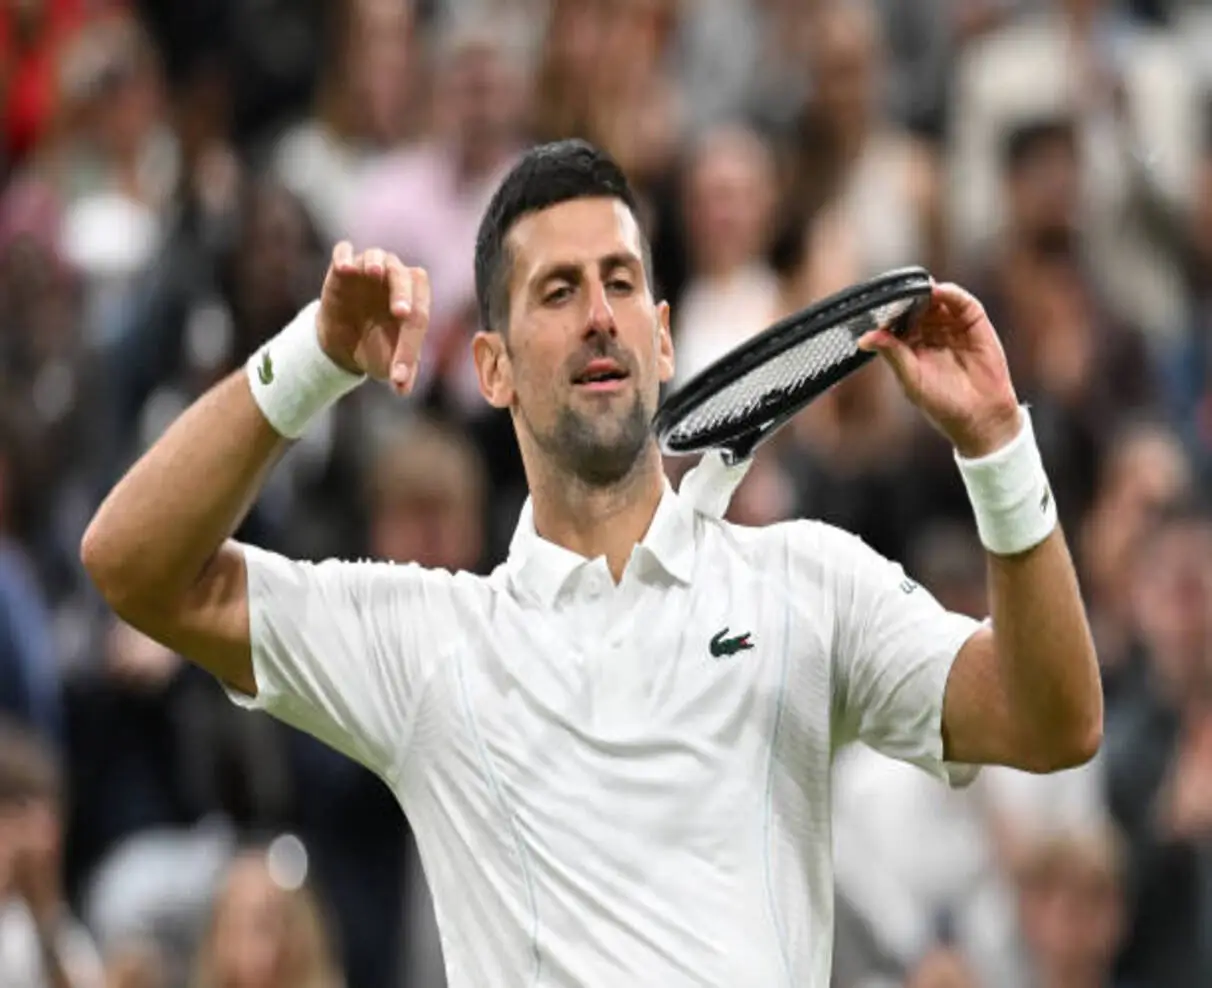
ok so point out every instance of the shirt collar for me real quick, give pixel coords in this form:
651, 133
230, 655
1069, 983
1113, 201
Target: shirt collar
542, 567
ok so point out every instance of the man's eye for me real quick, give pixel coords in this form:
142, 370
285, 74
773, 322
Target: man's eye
619, 285
557, 294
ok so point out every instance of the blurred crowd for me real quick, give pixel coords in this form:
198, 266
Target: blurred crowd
173, 176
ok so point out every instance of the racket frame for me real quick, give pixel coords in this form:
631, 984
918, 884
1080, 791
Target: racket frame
738, 441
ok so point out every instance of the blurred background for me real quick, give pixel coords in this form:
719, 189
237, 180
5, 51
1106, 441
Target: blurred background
173, 175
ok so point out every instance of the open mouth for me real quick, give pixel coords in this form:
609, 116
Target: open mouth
601, 375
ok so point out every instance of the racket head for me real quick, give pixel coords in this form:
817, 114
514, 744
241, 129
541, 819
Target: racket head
738, 401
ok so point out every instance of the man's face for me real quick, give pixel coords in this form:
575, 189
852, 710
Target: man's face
1044, 192
587, 349
481, 94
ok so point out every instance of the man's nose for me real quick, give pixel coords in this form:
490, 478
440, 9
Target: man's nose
600, 317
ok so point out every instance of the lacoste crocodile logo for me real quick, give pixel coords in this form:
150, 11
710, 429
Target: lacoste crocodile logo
722, 645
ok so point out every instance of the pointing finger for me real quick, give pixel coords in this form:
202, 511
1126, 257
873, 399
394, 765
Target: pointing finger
411, 333
399, 287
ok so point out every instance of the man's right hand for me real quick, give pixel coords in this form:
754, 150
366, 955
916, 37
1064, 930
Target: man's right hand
374, 312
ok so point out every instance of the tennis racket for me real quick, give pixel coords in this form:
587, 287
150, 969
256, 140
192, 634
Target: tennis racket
739, 401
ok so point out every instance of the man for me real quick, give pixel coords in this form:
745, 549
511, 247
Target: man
614, 751
42, 945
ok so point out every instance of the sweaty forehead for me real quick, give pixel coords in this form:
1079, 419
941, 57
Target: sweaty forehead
577, 232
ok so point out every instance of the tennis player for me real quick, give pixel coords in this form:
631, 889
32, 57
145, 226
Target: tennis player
615, 750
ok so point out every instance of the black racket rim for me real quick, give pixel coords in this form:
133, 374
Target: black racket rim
740, 439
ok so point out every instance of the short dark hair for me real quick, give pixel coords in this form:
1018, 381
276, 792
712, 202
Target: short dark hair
546, 175
1027, 138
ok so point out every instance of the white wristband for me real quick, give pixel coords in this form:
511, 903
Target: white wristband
293, 379
1011, 498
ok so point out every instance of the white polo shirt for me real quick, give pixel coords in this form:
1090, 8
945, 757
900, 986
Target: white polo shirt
617, 784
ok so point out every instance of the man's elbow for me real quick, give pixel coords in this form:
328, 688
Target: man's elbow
113, 572
1081, 749
99, 562
1072, 749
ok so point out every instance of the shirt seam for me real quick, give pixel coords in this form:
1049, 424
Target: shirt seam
495, 785
768, 822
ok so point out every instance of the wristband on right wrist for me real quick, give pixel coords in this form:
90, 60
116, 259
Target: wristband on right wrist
293, 380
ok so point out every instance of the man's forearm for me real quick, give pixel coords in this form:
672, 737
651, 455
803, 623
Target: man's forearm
1046, 655
153, 535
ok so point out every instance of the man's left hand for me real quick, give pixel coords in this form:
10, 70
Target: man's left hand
952, 367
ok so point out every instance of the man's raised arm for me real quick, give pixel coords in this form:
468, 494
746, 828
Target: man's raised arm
1026, 691
159, 548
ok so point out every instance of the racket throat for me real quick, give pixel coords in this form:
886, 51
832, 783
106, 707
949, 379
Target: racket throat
740, 449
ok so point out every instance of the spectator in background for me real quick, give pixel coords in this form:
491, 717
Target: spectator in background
865, 194
367, 104
41, 943
1143, 475
1081, 367
29, 686
1158, 751
115, 162
1130, 93
427, 497
424, 201
32, 33
733, 292
48, 398
1188, 366
605, 75
745, 59
1071, 909
264, 935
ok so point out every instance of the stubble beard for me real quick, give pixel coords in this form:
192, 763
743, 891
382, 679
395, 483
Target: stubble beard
599, 450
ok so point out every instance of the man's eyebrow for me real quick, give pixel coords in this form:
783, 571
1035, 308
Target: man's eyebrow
568, 271
563, 270
619, 259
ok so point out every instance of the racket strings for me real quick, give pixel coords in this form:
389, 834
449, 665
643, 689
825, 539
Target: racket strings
767, 389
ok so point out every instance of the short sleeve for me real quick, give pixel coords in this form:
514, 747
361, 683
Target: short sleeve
343, 651
894, 646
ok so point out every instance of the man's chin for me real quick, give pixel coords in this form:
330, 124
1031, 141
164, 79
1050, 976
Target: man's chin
607, 456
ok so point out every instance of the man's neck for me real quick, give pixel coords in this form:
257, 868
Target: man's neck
597, 521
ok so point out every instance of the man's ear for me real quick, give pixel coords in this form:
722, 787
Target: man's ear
493, 368
665, 363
